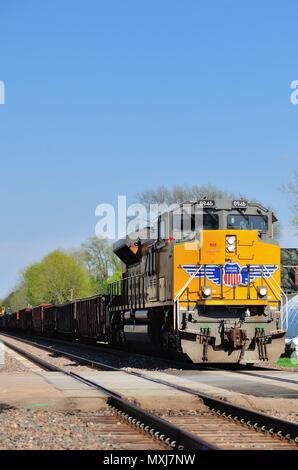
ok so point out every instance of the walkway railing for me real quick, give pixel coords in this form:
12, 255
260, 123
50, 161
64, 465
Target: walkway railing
128, 293
279, 292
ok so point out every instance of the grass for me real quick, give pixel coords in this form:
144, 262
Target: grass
287, 362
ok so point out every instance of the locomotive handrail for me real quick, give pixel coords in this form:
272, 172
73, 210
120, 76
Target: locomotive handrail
133, 294
176, 300
280, 293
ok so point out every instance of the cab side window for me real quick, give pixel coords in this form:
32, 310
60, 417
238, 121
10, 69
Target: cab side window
163, 227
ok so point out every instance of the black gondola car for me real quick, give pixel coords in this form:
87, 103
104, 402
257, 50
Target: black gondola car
3, 322
49, 326
13, 321
91, 315
37, 318
25, 320
66, 320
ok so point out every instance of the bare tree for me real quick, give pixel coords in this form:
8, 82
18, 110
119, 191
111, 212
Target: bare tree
292, 189
99, 257
179, 194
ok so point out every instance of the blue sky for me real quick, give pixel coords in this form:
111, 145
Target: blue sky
112, 97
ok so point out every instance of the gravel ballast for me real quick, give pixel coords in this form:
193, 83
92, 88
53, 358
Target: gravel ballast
43, 430
10, 364
38, 429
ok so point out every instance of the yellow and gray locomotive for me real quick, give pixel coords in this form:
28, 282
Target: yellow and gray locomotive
206, 286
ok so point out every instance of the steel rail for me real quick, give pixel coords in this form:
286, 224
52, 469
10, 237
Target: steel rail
262, 376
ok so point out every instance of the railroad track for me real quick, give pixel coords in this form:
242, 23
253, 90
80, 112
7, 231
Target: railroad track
109, 351
103, 366
249, 370
222, 426
163, 434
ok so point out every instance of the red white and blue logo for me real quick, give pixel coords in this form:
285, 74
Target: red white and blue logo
232, 274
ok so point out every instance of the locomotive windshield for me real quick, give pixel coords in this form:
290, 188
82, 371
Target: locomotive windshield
185, 222
248, 222
210, 221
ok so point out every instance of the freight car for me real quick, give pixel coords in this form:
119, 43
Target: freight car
92, 319
208, 288
37, 318
25, 320
83, 319
49, 327
3, 322
12, 321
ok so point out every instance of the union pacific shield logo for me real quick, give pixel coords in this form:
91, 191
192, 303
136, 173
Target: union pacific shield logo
231, 274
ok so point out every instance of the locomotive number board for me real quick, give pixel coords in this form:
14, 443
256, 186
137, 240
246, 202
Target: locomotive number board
239, 204
206, 203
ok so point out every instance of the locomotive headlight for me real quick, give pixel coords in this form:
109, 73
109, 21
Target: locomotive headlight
262, 291
206, 291
231, 248
231, 243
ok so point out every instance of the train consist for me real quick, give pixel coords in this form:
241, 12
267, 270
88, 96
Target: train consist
207, 287
85, 319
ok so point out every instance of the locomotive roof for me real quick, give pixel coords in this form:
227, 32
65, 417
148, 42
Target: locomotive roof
227, 204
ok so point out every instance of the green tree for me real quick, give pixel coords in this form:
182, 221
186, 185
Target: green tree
58, 278
18, 298
97, 256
